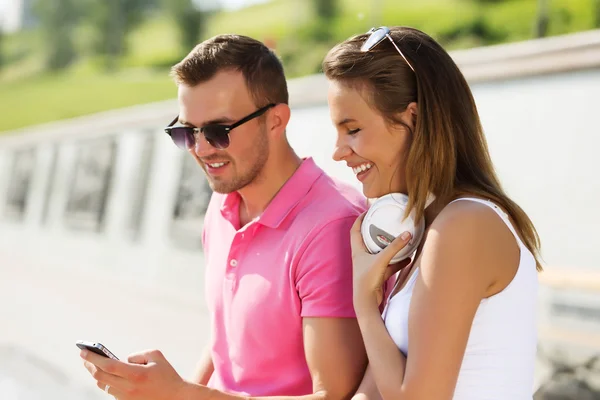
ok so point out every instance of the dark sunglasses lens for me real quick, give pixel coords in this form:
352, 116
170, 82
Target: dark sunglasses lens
376, 37
183, 137
216, 136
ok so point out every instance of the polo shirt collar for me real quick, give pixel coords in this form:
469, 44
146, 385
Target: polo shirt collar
292, 191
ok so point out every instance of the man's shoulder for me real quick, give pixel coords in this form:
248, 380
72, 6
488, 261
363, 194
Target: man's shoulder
335, 198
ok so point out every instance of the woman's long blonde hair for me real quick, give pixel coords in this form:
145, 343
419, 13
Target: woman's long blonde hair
448, 155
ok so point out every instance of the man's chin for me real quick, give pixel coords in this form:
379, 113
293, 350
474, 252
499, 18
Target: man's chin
222, 187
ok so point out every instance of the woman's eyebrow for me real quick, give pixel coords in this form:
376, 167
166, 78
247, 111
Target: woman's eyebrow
345, 121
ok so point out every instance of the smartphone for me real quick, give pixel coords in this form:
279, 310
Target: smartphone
97, 348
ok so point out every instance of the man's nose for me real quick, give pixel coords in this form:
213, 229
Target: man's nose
201, 146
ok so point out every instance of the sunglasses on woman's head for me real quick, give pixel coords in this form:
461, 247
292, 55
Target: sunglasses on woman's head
377, 36
217, 135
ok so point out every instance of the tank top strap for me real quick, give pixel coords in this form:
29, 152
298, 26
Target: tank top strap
499, 211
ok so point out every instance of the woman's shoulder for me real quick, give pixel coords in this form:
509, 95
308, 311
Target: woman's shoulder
467, 235
468, 216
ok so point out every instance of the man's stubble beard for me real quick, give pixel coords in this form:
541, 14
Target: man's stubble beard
252, 172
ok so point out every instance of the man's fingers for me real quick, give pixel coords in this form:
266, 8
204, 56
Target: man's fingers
140, 358
116, 393
104, 378
110, 366
146, 357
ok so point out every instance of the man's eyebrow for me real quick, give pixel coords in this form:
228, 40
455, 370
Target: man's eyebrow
183, 122
222, 120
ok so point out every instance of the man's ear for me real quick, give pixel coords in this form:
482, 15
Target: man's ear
278, 118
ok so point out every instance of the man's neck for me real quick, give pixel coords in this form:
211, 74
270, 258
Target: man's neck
256, 197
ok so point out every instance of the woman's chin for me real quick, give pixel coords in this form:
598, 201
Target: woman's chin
370, 192
374, 192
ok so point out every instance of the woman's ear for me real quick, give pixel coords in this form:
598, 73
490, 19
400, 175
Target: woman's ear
413, 110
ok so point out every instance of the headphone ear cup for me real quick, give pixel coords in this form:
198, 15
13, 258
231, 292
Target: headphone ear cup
385, 221
416, 231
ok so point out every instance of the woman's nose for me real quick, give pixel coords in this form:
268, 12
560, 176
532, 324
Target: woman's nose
341, 151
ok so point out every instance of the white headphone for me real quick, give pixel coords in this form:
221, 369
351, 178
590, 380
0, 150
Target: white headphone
385, 221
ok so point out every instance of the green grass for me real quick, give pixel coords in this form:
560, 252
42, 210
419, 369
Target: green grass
567, 14
264, 21
21, 55
153, 43
47, 98
28, 95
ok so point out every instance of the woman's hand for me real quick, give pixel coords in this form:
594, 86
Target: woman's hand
371, 271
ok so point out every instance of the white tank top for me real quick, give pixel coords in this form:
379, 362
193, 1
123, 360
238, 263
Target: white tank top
499, 359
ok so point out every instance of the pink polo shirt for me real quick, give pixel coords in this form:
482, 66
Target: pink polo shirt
262, 279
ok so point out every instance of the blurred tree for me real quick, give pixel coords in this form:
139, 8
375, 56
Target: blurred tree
58, 19
596, 13
327, 11
112, 20
542, 19
1, 49
477, 30
190, 21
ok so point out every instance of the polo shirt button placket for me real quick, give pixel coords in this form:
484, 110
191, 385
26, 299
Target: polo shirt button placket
231, 272
235, 248
238, 246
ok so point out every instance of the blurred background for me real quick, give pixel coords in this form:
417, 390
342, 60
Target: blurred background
101, 216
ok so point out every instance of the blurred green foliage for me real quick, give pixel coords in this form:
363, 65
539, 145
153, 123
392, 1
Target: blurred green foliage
189, 20
1, 50
91, 61
111, 21
58, 20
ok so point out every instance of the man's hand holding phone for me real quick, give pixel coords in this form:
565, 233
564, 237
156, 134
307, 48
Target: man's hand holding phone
146, 375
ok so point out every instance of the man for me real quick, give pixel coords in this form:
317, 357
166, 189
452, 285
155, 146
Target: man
276, 242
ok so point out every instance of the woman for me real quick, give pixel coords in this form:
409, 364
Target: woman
462, 313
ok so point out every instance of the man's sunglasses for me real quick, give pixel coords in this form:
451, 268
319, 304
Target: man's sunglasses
216, 135
377, 36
